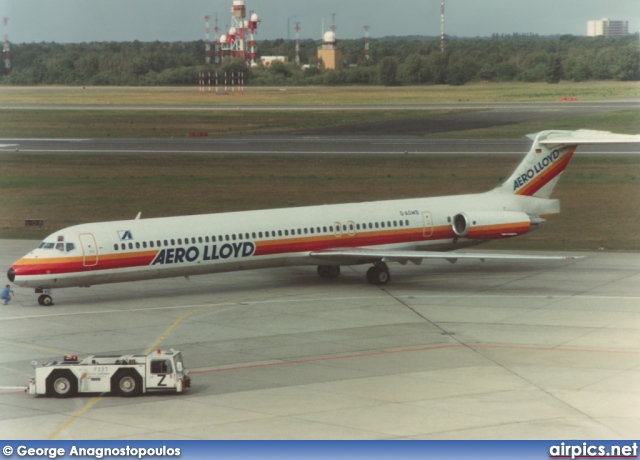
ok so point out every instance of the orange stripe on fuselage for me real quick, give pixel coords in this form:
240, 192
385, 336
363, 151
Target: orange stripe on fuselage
61, 265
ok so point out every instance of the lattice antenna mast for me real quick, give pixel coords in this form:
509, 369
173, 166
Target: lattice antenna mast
6, 50
297, 29
442, 26
366, 42
216, 53
207, 42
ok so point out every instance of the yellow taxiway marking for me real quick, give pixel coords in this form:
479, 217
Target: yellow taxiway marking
155, 343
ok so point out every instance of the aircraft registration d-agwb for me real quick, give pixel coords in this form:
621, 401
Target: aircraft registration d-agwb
406, 230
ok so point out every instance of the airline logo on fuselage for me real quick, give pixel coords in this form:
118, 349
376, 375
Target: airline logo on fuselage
540, 166
214, 252
125, 235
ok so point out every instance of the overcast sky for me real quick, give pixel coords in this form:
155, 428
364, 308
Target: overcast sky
65, 21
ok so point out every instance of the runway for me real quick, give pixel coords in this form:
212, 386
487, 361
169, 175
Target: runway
495, 350
293, 145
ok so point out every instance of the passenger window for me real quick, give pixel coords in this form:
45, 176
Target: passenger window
137, 245
150, 244
144, 244
115, 247
179, 241
173, 242
130, 245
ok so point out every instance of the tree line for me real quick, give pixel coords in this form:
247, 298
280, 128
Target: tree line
392, 61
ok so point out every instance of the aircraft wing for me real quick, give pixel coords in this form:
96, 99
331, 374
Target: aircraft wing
365, 255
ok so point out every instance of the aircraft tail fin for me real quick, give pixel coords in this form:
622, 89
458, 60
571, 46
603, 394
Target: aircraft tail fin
541, 168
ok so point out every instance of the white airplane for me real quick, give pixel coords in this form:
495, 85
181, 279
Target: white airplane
329, 236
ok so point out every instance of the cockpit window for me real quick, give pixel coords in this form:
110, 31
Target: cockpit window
64, 247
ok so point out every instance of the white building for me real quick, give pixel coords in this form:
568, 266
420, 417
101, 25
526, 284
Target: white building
607, 27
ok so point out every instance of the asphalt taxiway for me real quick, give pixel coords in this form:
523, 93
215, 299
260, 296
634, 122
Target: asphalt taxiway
495, 350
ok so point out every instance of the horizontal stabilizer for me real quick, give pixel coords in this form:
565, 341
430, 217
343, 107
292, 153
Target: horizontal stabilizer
585, 136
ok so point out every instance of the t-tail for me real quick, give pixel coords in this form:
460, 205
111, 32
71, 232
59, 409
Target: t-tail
540, 171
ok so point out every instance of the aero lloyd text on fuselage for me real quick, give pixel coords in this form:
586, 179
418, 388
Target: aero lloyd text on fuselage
213, 252
536, 169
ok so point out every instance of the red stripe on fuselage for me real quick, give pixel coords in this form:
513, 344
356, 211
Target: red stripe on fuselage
62, 265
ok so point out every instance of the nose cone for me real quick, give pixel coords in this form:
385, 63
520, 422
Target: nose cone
11, 274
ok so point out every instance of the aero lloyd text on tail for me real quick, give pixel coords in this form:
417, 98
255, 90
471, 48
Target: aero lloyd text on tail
373, 233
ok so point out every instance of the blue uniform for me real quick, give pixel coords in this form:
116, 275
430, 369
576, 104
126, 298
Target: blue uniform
6, 295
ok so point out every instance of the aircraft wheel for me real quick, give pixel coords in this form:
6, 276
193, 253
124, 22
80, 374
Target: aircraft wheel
328, 271
45, 300
378, 276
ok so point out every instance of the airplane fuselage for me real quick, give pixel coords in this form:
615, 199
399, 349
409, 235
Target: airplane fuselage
110, 252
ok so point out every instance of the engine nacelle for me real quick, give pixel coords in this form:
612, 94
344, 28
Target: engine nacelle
490, 225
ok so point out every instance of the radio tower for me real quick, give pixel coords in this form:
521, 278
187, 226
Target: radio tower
297, 29
442, 26
366, 42
5, 48
253, 27
207, 42
216, 52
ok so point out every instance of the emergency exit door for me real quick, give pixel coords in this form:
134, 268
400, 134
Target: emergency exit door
427, 222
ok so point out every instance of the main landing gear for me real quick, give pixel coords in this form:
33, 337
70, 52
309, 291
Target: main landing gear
378, 274
45, 298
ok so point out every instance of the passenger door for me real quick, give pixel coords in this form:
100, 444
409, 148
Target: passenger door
89, 249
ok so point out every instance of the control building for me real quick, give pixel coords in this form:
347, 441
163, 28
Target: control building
328, 53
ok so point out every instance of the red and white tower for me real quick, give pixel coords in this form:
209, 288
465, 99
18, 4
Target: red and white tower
253, 28
234, 43
6, 51
442, 26
366, 42
297, 29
